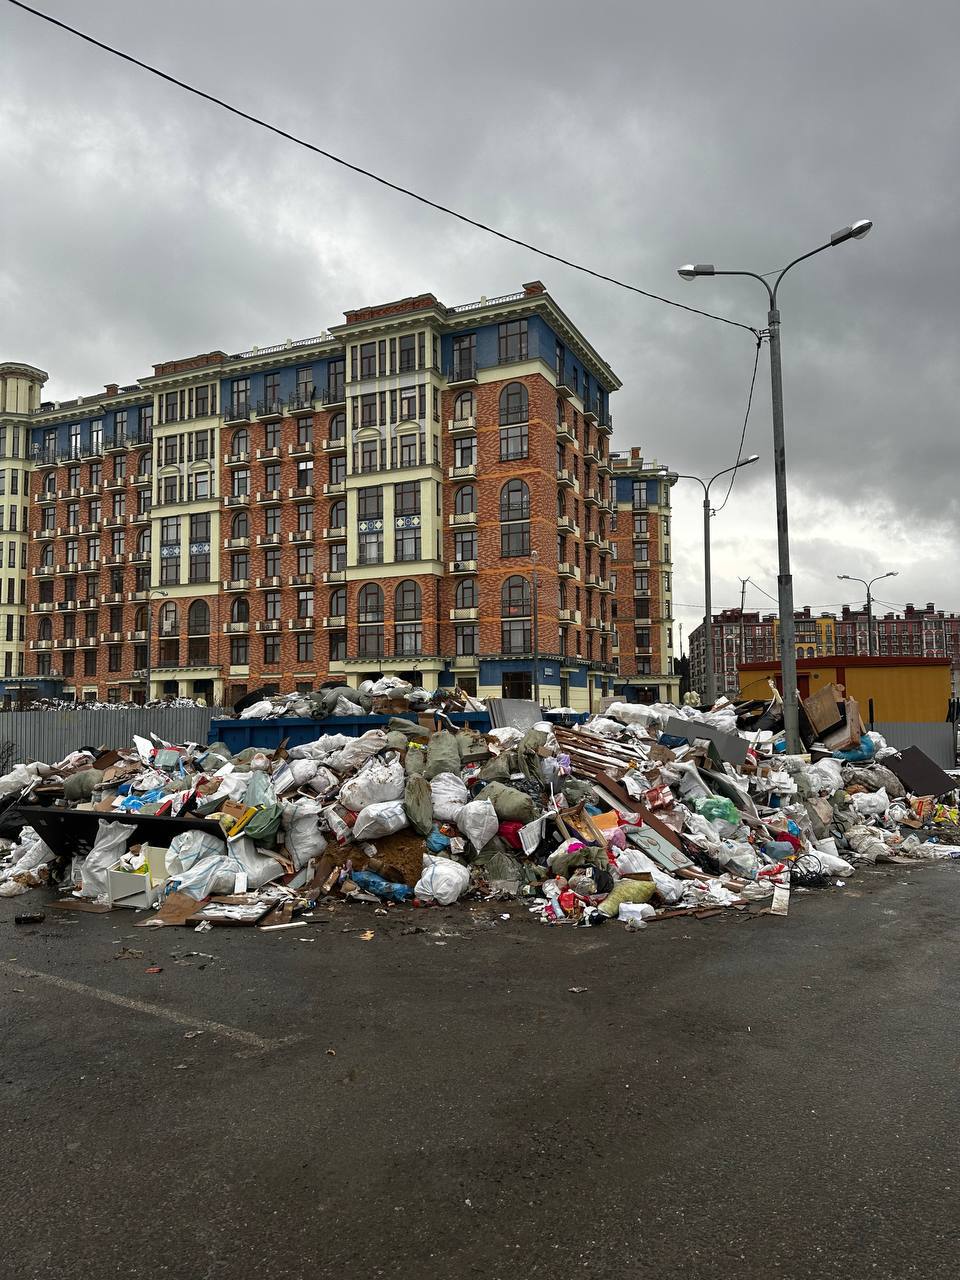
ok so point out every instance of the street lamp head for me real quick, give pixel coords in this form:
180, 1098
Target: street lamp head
754, 457
691, 270
856, 231
894, 573
844, 577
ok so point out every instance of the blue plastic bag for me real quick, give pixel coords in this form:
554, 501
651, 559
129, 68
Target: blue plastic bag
385, 890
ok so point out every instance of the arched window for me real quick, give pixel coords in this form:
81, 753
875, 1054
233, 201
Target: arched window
338, 426
338, 602
514, 501
45, 629
561, 503
465, 596
198, 619
370, 613
240, 525
168, 621
240, 442
50, 482
515, 598
408, 602
145, 464
46, 557
338, 514
513, 403
370, 603
463, 406
561, 414
143, 542
515, 611
240, 609
408, 628
465, 500
515, 519
140, 618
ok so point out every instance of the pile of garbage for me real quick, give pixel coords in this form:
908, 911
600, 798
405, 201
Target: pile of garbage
63, 704
640, 814
387, 696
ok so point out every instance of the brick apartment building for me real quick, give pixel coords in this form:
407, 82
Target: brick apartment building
392, 496
928, 632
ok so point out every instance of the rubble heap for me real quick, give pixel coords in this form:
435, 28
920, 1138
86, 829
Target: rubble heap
641, 813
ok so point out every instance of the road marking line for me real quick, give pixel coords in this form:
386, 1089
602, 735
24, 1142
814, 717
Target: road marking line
248, 1038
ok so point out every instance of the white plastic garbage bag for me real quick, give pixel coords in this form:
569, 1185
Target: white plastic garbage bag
20, 776
344, 707
826, 852
443, 880
825, 776
380, 820
449, 795
260, 869
506, 737
257, 711
635, 912
302, 838
320, 748
478, 821
108, 848
356, 750
376, 783
871, 804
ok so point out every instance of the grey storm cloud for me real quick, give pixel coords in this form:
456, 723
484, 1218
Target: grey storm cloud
139, 223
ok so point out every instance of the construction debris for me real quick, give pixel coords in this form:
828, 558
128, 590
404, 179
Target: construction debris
639, 815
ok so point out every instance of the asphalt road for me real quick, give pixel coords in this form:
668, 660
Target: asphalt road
732, 1097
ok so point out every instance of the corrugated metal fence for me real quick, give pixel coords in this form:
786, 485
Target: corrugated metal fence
938, 740
51, 735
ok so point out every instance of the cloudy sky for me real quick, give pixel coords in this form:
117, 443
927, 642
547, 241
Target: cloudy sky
138, 224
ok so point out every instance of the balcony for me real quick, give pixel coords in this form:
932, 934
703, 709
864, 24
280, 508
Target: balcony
593, 580
462, 518
300, 580
114, 521
590, 412
269, 410
268, 495
301, 493
593, 499
463, 372
139, 517
142, 479
335, 487
565, 433
264, 455
43, 571
41, 644
301, 400
269, 539
111, 637
459, 426
68, 531
465, 472
605, 546
604, 468
236, 628
306, 448
569, 616
116, 597
300, 624
236, 584
330, 445
565, 524
335, 620
112, 561
606, 425
237, 459
117, 443
301, 535
591, 455
72, 566
272, 581
64, 494
462, 566
565, 477
44, 606
464, 615
135, 636
89, 528
133, 596
334, 534
606, 584
236, 411
116, 484
236, 544
91, 602
566, 569
334, 395
236, 500
335, 575
45, 497
592, 538
565, 386
270, 625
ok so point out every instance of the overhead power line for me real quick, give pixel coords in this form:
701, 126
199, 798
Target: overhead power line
367, 173
743, 433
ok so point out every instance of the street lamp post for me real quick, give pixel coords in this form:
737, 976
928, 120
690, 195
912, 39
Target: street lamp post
710, 690
535, 556
788, 652
150, 595
845, 577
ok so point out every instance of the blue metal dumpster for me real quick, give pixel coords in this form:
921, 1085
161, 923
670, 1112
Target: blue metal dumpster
268, 734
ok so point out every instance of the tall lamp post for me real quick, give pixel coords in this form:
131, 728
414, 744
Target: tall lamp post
710, 690
160, 595
535, 556
788, 652
845, 577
